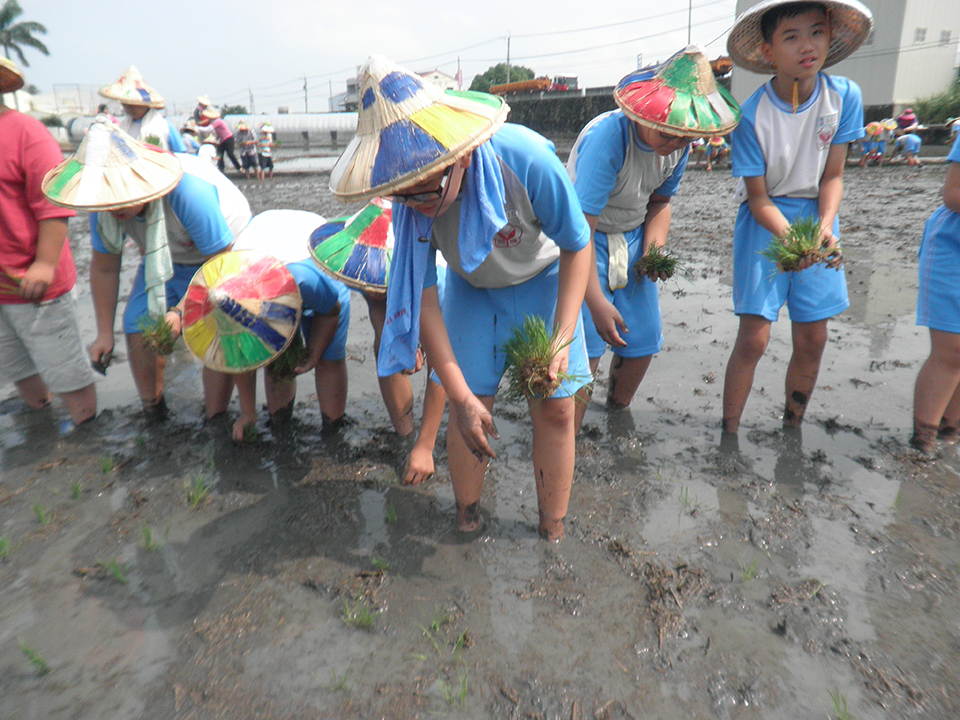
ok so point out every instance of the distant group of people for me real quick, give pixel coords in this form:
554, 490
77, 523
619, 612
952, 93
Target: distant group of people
902, 131
518, 235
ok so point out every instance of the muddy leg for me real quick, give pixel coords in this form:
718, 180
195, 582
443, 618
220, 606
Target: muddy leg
34, 392
466, 472
584, 394
626, 374
936, 396
554, 444
147, 368
752, 339
809, 340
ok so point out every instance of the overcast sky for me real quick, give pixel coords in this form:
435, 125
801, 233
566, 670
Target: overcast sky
226, 50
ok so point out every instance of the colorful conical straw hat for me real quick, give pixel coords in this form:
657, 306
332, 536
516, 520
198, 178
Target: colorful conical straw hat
111, 170
357, 249
241, 310
132, 89
407, 129
679, 96
11, 79
850, 23
210, 113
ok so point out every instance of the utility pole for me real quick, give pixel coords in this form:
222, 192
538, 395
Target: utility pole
508, 56
253, 110
305, 96
689, 20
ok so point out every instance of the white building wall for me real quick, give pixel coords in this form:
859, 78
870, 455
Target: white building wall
891, 68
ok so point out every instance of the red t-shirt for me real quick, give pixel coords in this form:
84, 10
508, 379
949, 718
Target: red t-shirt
27, 152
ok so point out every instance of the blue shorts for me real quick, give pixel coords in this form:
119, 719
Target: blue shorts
911, 144
480, 320
869, 146
759, 288
137, 303
938, 298
638, 303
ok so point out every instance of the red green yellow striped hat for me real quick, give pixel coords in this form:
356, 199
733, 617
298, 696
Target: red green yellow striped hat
131, 89
357, 249
679, 96
407, 129
241, 310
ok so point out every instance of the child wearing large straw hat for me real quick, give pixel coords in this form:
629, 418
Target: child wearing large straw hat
141, 105
179, 213
225, 140
40, 346
626, 165
789, 152
497, 203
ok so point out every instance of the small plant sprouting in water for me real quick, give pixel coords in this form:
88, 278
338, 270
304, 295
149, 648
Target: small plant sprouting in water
359, 614
390, 514
115, 569
339, 682
656, 261
381, 564
147, 540
529, 351
748, 572
40, 665
441, 617
76, 489
897, 500
43, 515
293, 357
802, 239
157, 335
107, 464
4, 547
455, 695
198, 492
840, 710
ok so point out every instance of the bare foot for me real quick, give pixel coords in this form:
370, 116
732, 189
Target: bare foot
551, 530
419, 466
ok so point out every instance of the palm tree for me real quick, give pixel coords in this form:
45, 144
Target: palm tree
15, 36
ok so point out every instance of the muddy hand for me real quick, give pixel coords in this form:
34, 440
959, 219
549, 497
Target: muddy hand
608, 322
475, 422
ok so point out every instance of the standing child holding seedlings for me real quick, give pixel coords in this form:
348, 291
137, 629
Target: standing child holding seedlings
936, 399
789, 151
496, 202
625, 166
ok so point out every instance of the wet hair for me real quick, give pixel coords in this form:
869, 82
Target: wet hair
770, 20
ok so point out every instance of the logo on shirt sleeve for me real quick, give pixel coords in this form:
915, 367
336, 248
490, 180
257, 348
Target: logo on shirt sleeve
826, 129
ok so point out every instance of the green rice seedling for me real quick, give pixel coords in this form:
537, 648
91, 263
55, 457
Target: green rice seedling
657, 261
801, 240
76, 489
381, 564
339, 682
198, 492
455, 695
139, 440
748, 572
250, 433
840, 710
390, 513
433, 640
40, 665
157, 335
43, 515
529, 351
4, 547
148, 541
293, 357
359, 614
107, 464
153, 140
441, 617
115, 569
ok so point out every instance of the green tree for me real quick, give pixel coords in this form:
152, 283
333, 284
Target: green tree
497, 75
234, 110
15, 36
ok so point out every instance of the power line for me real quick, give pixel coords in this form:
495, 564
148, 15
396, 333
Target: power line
622, 22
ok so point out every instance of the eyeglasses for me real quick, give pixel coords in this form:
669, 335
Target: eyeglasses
678, 139
425, 197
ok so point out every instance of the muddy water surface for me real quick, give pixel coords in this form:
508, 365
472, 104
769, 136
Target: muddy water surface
702, 576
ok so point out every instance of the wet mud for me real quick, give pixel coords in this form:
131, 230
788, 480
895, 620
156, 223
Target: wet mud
159, 571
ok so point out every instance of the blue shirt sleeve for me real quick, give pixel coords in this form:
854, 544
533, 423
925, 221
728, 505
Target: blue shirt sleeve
532, 159
851, 114
319, 292
95, 240
174, 140
600, 156
954, 155
196, 204
672, 183
746, 155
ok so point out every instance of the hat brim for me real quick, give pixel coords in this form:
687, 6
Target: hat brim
11, 79
357, 250
850, 23
125, 99
426, 141
154, 174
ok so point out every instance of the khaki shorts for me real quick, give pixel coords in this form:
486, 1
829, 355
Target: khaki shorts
44, 340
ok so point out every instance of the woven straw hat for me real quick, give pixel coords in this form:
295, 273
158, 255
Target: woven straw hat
850, 23
203, 100
407, 129
679, 96
210, 113
132, 89
357, 249
11, 79
240, 311
111, 170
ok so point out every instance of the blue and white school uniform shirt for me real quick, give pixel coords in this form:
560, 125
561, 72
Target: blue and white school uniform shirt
790, 148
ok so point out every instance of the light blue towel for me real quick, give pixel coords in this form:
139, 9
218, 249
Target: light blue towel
482, 215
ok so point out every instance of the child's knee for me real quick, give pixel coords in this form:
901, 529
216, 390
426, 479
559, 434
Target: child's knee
556, 415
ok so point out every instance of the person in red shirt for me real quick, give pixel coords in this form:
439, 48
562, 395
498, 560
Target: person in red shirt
40, 347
